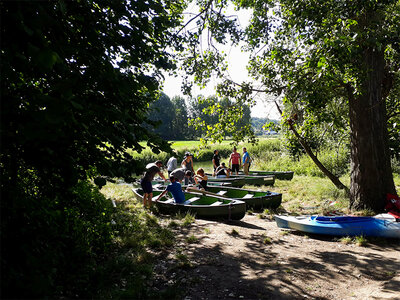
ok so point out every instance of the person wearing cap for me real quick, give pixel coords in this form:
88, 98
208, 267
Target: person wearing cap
175, 189
145, 182
187, 162
222, 171
182, 174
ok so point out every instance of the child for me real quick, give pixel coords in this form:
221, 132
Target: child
175, 189
201, 179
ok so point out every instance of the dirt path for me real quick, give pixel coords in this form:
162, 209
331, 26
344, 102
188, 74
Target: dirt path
253, 259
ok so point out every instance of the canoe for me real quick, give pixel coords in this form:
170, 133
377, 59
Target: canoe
203, 206
257, 180
341, 225
251, 180
235, 182
282, 175
252, 198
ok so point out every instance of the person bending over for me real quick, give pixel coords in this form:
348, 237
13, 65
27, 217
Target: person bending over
222, 171
201, 179
175, 189
145, 182
183, 174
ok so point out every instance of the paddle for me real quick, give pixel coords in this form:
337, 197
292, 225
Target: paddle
191, 189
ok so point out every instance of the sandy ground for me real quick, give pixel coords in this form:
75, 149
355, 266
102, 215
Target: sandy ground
254, 259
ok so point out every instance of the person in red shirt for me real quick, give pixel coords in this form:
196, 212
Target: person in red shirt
234, 161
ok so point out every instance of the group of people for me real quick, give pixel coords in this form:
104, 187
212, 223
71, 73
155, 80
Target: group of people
235, 163
187, 175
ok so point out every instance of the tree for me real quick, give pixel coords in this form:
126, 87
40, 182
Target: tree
76, 81
318, 55
162, 113
180, 122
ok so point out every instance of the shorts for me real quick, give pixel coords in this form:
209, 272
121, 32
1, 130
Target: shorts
235, 167
146, 186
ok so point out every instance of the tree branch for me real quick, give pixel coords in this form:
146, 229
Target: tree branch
308, 150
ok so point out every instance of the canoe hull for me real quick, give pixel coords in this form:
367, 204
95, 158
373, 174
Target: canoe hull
281, 175
235, 182
259, 199
240, 180
341, 226
227, 209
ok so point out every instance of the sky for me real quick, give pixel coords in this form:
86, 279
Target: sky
237, 62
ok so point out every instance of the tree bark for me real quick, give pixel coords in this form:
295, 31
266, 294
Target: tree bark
371, 172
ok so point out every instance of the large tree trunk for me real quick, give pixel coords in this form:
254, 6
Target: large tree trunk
371, 172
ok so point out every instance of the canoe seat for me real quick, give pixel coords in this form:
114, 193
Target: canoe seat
222, 193
247, 196
169, 201
189, 201
216, 203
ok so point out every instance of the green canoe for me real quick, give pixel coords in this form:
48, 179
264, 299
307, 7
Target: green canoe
250, 180
282, 175
254, 199
203, 206
235, 181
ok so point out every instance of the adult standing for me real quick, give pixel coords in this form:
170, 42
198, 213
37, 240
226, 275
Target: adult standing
187, 162
215, 160
246, 161
145, 182
172, 164
234, 161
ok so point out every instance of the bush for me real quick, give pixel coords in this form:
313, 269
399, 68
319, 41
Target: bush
51, 244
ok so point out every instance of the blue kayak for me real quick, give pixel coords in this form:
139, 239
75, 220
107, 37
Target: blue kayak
341, 225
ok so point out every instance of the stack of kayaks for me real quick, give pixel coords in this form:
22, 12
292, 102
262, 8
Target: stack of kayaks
254, 199
342, 225
281, 175
203, 206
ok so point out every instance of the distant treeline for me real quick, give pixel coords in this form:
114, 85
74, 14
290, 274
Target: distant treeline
171, 116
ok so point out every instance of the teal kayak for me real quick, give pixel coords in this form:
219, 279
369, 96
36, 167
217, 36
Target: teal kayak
341, 225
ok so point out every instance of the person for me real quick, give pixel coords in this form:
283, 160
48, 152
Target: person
234, 161
145, 182
187, 162
172, 164
183, 174
175, 189
222, 171
215, 160
201, 179
246, 161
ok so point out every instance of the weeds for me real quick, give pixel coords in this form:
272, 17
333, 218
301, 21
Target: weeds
207, 230
360, 241
188, 219
234, 232
191, 239
267, 240
346, 240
